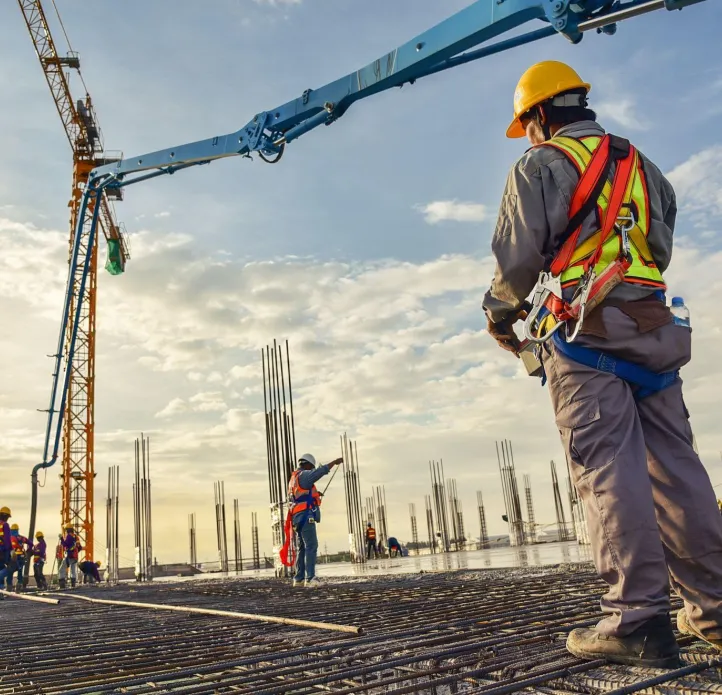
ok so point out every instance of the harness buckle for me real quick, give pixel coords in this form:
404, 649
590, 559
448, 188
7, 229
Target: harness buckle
579, 303
628, 224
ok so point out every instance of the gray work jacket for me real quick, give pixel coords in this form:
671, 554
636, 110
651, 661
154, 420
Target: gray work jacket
534, 214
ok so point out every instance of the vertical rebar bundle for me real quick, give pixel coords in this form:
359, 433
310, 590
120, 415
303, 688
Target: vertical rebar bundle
531, 527
369, 512
564, 533
142, 504
511, 492
352, 488
193, 547
438, 494
254, 537
382, 530
238, 552
430, 524
219, 494
111, 524
457, 515
484, 534
280, 439
579, 516
414, 527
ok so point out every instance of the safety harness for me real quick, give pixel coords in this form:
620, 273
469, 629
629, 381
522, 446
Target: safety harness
590, 270
301, 501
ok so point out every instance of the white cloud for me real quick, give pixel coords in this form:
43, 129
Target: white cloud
623, 111
441, 210
698, 183
177, 405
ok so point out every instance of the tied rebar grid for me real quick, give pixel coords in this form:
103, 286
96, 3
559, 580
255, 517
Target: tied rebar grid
490, 632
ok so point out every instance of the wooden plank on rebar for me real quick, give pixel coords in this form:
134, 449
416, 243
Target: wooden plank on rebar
352, 629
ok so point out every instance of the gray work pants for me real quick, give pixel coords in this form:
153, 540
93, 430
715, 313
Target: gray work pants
651, 510
63, 569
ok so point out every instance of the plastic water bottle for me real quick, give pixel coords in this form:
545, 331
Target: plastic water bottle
680, 312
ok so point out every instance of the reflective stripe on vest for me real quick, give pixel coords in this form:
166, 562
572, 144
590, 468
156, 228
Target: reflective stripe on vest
643, 270
300, 497
371, 534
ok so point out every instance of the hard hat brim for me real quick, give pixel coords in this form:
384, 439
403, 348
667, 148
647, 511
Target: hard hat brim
515, 129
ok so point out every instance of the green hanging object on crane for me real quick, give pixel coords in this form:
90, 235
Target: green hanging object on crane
114, 263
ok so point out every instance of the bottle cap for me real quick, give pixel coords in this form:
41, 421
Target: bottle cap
677, 301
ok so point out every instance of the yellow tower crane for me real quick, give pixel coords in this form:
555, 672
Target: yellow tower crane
81, 127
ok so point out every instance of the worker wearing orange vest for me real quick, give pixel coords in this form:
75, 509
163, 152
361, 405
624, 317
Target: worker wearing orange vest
305, 502
371, 541
71, 549
39, 552
590, 219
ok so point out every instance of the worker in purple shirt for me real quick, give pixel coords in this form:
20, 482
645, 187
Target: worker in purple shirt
71, 548
38, 552
90, 571
5, 544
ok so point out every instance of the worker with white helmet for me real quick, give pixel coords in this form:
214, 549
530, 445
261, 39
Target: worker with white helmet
305, 501
590, 220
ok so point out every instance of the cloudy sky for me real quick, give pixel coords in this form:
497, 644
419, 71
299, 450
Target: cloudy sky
367, 248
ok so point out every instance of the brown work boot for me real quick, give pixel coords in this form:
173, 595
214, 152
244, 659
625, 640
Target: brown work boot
652, 644
686, 628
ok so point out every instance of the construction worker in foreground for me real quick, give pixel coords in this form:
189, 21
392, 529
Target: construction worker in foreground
305, 501
5, 544
71, 549
579, 201
39, 554
371, 541
90, 570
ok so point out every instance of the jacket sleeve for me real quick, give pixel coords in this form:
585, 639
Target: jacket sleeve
521, 236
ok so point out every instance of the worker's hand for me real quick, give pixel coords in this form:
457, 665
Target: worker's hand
503, 331
335, 462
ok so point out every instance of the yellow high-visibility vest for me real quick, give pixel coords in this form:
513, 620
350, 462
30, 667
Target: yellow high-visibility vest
643, 270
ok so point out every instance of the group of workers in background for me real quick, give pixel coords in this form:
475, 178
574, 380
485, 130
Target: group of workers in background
16, 549
377, 547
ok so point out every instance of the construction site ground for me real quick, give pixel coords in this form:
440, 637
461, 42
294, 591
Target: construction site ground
475, 631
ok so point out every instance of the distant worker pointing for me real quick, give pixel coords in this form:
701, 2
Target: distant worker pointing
590, 220
305, 501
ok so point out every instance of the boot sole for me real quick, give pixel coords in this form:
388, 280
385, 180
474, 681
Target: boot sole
667, 662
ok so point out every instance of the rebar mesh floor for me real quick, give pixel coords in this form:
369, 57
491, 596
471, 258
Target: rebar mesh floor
488, 632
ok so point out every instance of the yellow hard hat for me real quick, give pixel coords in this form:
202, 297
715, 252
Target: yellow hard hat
14, 527
539, 83
39, 534
69, 527
6, 511
98, 563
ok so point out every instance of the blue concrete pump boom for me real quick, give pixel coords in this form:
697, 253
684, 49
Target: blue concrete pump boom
455, 41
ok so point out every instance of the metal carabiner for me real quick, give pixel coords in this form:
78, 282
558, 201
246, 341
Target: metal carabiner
546, 285
585, 289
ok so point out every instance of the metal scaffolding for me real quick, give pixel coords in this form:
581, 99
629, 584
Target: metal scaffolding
280, 439
142, 505
512, 504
